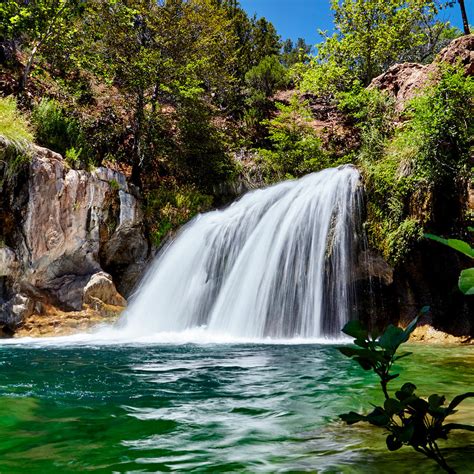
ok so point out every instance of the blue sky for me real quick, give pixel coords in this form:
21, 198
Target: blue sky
303, 18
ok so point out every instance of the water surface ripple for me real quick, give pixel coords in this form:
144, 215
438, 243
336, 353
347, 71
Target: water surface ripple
210, 408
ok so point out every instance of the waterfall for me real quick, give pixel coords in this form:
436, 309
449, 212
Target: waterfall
276, 263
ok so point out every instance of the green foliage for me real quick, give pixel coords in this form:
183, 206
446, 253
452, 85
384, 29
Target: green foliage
14, 125
466, 278
201, 153
295, 53
16, 130
72, 156
405, 167
267, 76
369, 37
262, 81
295, 146
171, 206
58, 131
409, 419
38, 23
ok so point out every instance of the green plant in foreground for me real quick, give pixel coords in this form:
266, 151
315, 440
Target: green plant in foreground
409, 419
466, 278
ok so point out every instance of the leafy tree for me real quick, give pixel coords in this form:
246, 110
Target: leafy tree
370, 36
262, 81
37, 23
295, 146
462, 7
265, 40
409, 419
157, 54
295, 53
267, 76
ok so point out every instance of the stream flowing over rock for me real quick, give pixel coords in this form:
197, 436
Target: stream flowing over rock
64, 231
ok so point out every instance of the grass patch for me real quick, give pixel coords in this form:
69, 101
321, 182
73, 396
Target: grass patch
14, 125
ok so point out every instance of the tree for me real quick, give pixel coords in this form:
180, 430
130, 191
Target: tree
296, 148
462, 7
295, 53
265, 40
159, 54
370, 36
37, 23
262, 81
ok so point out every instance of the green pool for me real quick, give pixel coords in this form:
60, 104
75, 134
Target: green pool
208, 408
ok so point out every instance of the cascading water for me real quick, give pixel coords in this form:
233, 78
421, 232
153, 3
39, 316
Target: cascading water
276, 263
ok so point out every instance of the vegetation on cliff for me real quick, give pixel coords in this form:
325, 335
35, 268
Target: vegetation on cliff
171, 92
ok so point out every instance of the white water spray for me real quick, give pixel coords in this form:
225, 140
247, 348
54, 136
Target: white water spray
276, 263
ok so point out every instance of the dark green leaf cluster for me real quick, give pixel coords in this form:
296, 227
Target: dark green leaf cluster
466, 278
409, 419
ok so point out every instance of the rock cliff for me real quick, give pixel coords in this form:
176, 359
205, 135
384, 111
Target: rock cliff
70, 239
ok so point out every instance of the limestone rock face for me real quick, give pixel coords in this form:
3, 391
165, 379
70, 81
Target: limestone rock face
403, 81
63, 228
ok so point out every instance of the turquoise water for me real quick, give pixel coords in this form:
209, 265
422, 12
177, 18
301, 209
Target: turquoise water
212, 408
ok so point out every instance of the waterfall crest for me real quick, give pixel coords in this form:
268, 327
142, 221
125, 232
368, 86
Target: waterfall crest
276, 263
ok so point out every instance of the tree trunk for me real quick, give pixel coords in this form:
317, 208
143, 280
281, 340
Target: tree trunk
137, 158
465, 22
26, 71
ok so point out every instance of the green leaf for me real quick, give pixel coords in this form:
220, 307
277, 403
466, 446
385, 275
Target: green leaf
455, 244
392, 338
378, 417
393, 443
352, 417
356, 330
407, 433
405, 354
435, 401
392, 406
406, 391
466, 281
349, 351
419, 405
411, 327
364, 363
457, 400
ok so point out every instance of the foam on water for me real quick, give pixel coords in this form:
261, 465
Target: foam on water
275, 264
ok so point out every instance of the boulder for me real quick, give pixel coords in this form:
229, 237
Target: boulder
101, 287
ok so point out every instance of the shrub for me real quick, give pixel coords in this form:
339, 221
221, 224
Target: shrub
55, 129
16, 130
170, 206
409, 419
267, 76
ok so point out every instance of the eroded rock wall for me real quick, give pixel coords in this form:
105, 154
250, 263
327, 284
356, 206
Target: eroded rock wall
65, 232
